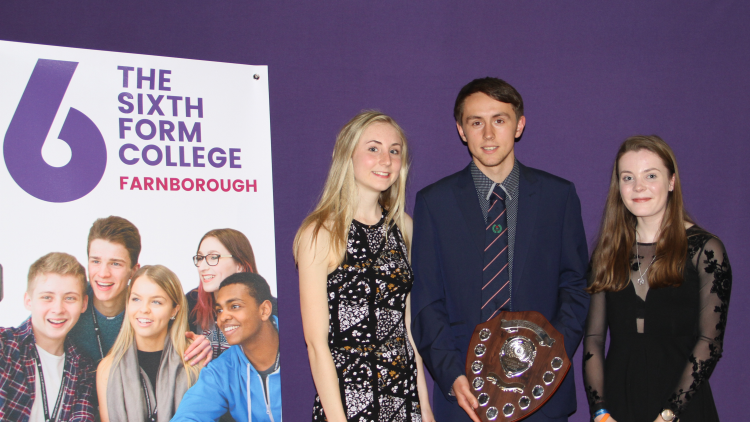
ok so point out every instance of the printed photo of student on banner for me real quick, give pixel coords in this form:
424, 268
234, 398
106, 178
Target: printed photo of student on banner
138, 261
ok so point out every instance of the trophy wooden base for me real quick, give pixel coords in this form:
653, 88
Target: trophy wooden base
516, 362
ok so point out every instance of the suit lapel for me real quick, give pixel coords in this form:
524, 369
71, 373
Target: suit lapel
528, 204
468, 203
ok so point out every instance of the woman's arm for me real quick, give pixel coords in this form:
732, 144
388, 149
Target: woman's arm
199, 349
715, 287
593, 353
424, 395
314, 264
102, 377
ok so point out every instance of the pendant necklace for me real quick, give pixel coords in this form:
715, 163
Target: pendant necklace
641, 279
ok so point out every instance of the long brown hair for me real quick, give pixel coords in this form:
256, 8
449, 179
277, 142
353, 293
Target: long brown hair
242, 253
335, 210
611, 257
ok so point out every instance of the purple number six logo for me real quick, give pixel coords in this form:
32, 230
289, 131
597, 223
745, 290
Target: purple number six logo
29, 128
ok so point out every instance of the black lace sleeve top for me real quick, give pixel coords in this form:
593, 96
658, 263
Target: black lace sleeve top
664, 343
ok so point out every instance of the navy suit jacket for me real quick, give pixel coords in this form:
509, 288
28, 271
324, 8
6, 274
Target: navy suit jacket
549, 266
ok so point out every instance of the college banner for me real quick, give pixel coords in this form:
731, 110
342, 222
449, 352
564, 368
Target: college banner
177, 147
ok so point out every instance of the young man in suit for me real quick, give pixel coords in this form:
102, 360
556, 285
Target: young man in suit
495, 236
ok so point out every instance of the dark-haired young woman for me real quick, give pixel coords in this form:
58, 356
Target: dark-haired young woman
661, 285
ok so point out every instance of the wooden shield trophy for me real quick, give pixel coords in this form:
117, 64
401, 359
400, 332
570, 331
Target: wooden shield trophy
515, 363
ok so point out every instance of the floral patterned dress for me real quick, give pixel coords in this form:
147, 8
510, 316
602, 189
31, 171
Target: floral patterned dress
367, 334
664, 343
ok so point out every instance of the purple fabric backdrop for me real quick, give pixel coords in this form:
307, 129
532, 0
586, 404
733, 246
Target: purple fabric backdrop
591, 74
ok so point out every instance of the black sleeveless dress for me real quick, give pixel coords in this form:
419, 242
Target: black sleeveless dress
367, 335
664, 343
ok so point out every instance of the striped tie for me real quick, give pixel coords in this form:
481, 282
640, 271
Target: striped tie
496, 285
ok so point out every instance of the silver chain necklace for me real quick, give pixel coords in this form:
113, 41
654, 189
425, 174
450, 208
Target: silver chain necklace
642, 278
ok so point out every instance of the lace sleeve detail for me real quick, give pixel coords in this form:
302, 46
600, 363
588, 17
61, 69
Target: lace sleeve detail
715, 273
593, 351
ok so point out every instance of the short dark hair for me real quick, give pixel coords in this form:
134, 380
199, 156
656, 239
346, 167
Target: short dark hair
117, 230
256, 285
492, 87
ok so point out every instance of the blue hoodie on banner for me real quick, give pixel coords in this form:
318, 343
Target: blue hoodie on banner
231, 383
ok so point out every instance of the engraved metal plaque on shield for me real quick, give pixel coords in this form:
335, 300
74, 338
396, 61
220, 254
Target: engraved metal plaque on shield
515, 363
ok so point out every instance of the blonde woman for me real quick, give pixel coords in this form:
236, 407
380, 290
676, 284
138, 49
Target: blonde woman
144, 376
355, 280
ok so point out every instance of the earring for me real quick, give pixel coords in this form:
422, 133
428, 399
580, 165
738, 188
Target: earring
172, 318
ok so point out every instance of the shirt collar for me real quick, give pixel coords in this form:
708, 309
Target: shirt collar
26, 332
485, 185
26, 337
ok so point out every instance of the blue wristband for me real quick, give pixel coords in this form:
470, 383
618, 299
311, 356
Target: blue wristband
600, 412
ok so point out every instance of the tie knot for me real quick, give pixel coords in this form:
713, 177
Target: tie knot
497, 193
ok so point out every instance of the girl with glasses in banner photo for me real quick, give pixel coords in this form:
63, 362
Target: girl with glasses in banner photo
144, 373
660, 284
221, 253
352, 255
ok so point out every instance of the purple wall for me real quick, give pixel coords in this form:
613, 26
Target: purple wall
591, 74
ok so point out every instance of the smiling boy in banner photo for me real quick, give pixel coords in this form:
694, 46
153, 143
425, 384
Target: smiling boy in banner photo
43, 376
246, 379
114, 245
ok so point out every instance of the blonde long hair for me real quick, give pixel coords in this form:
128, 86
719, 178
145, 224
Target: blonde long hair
338, 202
167, 281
